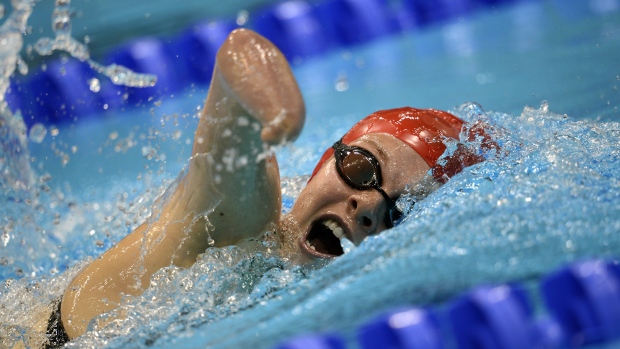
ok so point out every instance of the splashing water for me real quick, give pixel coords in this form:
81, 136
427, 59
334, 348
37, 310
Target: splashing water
15, 173
61, 24
124, 76
16, 176
31, 208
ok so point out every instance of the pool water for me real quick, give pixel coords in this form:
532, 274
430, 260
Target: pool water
544, 76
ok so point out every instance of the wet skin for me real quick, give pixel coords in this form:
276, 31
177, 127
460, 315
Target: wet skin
360, 213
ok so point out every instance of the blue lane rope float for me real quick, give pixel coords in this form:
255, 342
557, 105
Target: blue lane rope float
300, 28
314, 341
585, 299
58, 92
492, 317
427, 12
401, 328
193, 50
582, 299
294, 27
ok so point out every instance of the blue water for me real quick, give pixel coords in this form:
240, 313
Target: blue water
544, 76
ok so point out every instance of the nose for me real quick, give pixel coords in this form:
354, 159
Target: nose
365, 208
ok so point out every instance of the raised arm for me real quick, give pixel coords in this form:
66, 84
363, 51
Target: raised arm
230, 191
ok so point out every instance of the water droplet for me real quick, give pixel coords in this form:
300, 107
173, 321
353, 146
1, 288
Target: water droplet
347, 245
5, 239
54, 131
94, 85
22, 66
44, 47
177, 134
342, 86
61, 23
37, 133
121, 75
148, 152
342, 83
242, 17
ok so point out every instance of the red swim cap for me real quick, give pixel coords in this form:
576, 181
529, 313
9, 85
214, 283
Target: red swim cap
424, 130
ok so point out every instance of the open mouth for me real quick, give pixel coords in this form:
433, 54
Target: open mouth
324, 238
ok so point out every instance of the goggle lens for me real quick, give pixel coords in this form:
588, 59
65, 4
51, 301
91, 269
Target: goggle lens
358, 169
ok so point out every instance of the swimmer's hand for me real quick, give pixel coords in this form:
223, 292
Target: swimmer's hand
258, 76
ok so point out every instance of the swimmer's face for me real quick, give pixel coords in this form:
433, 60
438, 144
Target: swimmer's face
328, 207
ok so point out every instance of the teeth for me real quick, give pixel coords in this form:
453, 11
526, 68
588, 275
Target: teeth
335, 228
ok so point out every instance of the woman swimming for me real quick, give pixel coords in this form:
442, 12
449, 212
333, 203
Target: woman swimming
231, 189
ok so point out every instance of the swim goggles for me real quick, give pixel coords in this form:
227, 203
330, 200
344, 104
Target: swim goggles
360, 170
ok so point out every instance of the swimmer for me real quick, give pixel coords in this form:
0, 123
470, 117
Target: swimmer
231, 189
